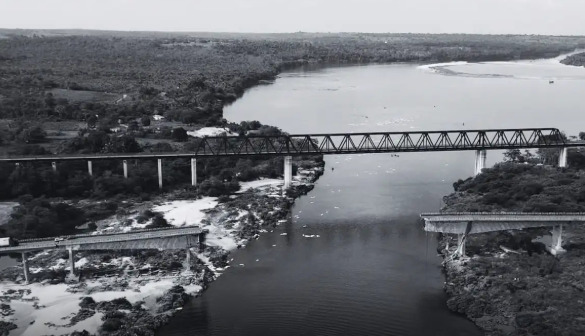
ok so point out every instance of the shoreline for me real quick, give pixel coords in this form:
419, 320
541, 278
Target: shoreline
155, 284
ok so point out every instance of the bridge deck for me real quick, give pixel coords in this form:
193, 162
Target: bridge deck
489, 222
347, 143
104, 241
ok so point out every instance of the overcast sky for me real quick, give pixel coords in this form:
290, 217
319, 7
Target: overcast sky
420, 16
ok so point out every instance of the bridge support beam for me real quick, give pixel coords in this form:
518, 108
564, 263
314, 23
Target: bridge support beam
90, 168
193, 172
563, 157
480, 158
71, 261
557, 241
125, 164
461, 245
25, 267
160, 180
54, 165
287, 171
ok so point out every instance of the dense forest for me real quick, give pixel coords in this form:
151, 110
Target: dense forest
103, 92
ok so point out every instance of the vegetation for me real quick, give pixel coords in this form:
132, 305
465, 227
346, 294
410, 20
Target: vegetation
518, 186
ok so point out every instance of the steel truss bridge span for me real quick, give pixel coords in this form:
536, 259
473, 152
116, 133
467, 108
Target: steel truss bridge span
347, 143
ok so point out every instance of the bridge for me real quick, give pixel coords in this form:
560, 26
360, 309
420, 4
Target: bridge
465, 223
160, 239
339, 143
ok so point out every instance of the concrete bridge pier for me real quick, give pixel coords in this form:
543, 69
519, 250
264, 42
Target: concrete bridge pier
201, 240
90, 168
25, 267
125, 164
557, 241
160, 180
480, 158
71, 261
460, 245
54, 165
287, 171
563, 157
193, 172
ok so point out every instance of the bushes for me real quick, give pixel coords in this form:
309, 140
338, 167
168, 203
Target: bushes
523, 187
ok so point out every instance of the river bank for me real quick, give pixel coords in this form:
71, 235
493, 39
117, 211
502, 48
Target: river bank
120, 292
507, 283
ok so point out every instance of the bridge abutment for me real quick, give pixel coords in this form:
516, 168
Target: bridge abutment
160, 177
563, 157
287, 171
90, 168
193, 172
480, 158
25, 268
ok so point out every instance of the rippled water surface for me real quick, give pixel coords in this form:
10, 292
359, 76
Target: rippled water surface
371, 270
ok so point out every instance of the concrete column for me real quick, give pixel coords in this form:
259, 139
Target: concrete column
480, 158
54, 165
287, 171
125, 163
160, 185
202, 237
563, 157
193, 172
187, 259
89, 168
71, 260
557, 240
461, 244
25, 267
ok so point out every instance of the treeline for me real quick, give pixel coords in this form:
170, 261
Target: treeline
191, 79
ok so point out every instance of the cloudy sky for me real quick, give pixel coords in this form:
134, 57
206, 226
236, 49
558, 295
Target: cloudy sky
422, 16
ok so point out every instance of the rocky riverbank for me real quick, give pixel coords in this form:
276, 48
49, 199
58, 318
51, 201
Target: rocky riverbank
507, 283
136, 292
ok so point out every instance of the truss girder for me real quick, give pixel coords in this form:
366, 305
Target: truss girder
349, 143
380, 142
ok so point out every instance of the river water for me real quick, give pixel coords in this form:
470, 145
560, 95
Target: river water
372, 270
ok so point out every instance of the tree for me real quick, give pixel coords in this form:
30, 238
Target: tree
92, 121
513, 155
31, 135
145, 120
582, 135
180, 135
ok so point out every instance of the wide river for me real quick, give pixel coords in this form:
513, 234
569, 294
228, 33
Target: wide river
372, 270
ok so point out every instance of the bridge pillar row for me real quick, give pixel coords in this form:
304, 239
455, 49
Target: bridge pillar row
480, 158
557, 241
90, 168
125, 164
563, 157
71, 260
193, 171
54, 165
25, 268
287, 171
160, 180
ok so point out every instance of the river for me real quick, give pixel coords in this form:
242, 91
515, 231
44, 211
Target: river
355, 260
